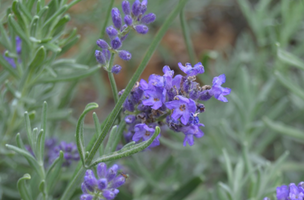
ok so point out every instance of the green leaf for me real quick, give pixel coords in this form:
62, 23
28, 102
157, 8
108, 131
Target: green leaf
53, 47
290, 59
23, 189
186, 189
55, 15
31, 160
34, 26
71, 76
19, 141
8, 67
38, 59
289, 85
54, 171
114, 137
28, 128
18, 29
228, 166
39, 152
154, 43
79, 130
127, 151
296, 134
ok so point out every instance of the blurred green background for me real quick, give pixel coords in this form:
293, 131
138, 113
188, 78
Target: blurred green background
259, 45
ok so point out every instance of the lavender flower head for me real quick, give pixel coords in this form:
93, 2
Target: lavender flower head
172, 101
70, 153
105, 185
134, 19
291, 192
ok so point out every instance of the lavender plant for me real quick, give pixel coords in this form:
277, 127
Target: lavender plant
243, 154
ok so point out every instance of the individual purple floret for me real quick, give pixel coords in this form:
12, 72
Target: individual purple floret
11, 61
69, 150
141, 29
116, 18
102, 44
116, 69
169, 100
125, 55
105, 185
126, 7
149, 18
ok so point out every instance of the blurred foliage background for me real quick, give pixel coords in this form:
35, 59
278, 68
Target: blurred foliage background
251, 145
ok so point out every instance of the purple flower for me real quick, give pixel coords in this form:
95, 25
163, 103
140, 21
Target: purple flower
218, 91
128, 20
69, 150
116, 69
136, 8
125, 55
168, 74
192, 71
116, 18
86, 197
282, 192
106, 184
116, 43
190, 131
182, 107
126, 7
141, 29
111, 31
102, 44
100, 57
155, 98
144, 132
11, 61
295, 193
149, 18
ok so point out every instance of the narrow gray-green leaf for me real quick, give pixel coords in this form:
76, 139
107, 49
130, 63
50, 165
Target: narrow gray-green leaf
111, 139
54, 171
23, 189
38, 59
79, 130
28, 129
290, 59
127, 151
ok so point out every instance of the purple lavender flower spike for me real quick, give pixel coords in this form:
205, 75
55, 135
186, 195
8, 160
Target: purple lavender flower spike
295, 193
156, 98
116, 43
111, 31
141, 29
128, 20
192, 71
116, 69
100, 57
136, 8
102, 170
86, 197
218, 91
116, 18
126, 7
182, 107
282, 192
69, 150
125, 55
149, 18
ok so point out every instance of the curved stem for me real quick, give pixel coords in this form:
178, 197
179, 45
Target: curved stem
187, 38
112, 80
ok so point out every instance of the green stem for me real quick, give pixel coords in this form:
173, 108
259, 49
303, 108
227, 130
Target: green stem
112, 80
107, 19
187, 38
154, 43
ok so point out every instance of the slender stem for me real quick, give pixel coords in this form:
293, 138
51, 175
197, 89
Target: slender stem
112, 80
187, 38
154, 43
107, 18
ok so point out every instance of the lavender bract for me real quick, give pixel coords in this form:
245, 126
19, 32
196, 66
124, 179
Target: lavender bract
170, 100
134, 19
105, 185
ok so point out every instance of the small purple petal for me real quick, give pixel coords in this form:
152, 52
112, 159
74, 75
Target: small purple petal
116, 43
116, 18
102, 170
126, 7
141, 29
116, 69
149, 18
128, 20
136, 8
125, 55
